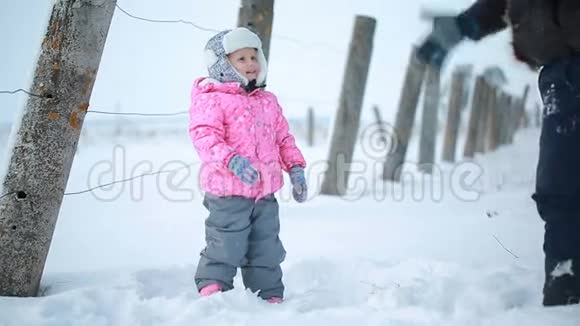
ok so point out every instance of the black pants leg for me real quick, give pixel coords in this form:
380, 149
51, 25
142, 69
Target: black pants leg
558, 178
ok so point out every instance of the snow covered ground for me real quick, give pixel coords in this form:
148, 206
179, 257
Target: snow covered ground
412, 256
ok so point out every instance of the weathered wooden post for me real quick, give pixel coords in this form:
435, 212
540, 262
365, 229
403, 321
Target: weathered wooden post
505, 108
310, 126
521, 118
348, 115
380, 124
482, 127
257, 16
476, 108
429, 120
494, 118
405, 117
456, 100
46, 140
515, 119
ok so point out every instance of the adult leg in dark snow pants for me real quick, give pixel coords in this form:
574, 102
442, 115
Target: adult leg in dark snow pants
241, 232
558, 180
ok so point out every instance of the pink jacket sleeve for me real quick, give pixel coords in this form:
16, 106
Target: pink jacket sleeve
289, 152
206, 129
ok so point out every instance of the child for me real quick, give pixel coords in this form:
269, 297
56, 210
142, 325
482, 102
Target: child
243, 141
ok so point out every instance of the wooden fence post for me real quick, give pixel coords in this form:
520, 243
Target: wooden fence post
521, 118
46, 140
429, 119
476, 108
505, 109
515, 118
405, 119
458, 87
311, 126
348, 115
380, 124
494, 118
257, 16
482, 127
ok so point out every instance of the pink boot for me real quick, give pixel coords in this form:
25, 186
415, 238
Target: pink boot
275, 300
210, 289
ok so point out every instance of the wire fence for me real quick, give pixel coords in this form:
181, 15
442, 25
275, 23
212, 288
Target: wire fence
125, 180
196, 26
177, 113
20, 90
171, 114
208, 29
178, 21
7, 194
140, 114
112, 182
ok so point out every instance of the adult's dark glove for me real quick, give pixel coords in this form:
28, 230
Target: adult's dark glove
445, 35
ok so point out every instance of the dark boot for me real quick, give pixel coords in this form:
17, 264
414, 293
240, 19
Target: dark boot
562, 285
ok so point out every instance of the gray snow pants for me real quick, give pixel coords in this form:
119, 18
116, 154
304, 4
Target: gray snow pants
242, 232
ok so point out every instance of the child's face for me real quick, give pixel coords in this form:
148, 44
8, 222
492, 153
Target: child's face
246, 62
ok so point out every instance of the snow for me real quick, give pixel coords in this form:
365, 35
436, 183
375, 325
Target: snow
356, 261
563, 268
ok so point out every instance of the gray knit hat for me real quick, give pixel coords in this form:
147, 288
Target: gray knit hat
227, 42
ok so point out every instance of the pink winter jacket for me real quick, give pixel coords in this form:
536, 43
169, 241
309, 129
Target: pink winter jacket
225, 121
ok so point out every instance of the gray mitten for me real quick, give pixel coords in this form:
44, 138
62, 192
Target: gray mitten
299, 188
241, 167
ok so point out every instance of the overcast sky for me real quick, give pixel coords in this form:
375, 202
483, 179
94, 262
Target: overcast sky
149, 67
